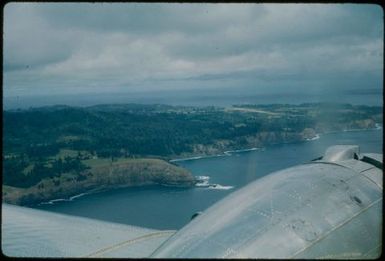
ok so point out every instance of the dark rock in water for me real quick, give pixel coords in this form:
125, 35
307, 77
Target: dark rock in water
308, 133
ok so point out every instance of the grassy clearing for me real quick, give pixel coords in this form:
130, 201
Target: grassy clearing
7, 189
71, 153
94, 163
28, 169
66, 153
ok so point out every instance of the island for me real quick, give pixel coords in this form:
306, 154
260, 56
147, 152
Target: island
61, 151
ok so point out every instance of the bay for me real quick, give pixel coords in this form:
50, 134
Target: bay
171, 208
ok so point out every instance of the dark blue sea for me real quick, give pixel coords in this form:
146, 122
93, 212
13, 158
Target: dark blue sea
171, 208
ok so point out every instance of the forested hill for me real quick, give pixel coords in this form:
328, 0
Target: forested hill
50, 141
161, 130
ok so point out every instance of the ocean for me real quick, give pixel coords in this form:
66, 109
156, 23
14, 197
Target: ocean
371, 97
171, 208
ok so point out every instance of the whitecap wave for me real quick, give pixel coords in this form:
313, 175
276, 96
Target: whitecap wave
244, 150
77, 196
184, 159
58, 200
229, 152
202, 184
316, 137
202, 181
217, 186
226, 153
203, 178
45, 203
53, 201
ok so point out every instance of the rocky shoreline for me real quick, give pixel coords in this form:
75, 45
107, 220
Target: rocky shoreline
138, 172
256, 143
152, 171
259, 140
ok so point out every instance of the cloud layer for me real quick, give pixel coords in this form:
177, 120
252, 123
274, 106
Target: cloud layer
61, 48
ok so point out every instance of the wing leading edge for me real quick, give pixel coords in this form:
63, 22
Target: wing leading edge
29, 232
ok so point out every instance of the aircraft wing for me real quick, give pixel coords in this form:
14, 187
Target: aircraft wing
28, 232
329, 208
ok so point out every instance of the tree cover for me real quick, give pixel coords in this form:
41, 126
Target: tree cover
33, 138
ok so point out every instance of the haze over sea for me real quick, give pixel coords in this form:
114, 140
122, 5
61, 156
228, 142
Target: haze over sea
198, 98
171, 208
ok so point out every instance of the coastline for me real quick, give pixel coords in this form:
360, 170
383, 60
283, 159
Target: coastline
224, 154
133, 173
103, 187
199, 157
53, 201
229, 152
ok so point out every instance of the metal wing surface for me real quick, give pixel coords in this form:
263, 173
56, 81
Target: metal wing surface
29, 232
330, 208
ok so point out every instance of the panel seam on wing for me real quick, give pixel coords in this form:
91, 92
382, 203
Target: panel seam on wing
369, 178
128, 242
335, 228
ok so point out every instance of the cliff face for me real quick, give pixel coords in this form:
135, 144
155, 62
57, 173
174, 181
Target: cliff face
352, 125
266, 138
137, 172
260, 139
363, 124
308, 133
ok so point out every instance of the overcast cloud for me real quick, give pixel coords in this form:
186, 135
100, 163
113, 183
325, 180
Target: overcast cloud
61, 48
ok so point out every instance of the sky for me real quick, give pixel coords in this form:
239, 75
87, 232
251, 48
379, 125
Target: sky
77, 48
